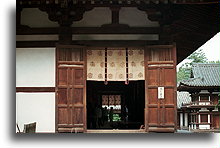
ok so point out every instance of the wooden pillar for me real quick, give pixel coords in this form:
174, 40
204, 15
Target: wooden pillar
196, 119
18, 16
186, 119
181, 120
191, 123
212, 120
115, 14
165, 35
65, 34
65, 31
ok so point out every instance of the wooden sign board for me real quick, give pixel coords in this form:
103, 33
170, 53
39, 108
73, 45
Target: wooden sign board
160, 92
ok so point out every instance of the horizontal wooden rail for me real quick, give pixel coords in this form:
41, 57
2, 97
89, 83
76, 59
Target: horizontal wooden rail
91, 30
35, 89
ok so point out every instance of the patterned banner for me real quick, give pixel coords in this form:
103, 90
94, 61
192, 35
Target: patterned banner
96, 65
136, 64
116, 65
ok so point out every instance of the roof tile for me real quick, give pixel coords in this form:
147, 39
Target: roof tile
204, 75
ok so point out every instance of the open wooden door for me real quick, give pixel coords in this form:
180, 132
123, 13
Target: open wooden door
70, 90
160, 85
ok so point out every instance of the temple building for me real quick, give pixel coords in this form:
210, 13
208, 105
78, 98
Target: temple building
198, 105
94, 66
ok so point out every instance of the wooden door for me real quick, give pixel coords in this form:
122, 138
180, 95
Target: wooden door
70, 87
160, 84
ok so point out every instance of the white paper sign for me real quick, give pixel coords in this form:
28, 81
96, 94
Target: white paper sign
160, 92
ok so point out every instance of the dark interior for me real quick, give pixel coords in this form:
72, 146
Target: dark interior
132, 96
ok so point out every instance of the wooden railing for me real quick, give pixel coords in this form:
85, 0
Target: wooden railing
202, 103
199, 103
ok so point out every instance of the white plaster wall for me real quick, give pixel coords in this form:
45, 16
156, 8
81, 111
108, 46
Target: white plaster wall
35, 67
36, 107
94, 18
135, 18
33, 17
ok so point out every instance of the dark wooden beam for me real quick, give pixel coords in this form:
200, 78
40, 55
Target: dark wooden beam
94, 43
106, 3
30, 44
91, 30
35, 89
115, 14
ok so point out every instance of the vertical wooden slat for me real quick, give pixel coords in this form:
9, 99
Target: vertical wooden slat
127, 79
174, 56
84, 90
146, 110
106, 66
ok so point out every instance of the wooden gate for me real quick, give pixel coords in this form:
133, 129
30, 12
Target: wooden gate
70, 90
160, 76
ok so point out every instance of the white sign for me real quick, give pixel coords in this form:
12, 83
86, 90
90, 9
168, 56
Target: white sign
160, 92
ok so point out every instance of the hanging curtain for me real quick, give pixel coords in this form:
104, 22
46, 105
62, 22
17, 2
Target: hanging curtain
136, 64
116, 66
96, 65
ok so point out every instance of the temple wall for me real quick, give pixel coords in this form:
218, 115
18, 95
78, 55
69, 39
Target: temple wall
35, 67
36, 107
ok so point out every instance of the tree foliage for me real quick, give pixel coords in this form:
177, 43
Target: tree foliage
197, 57
184, 72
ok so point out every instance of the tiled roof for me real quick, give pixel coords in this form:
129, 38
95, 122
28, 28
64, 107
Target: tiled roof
204, 75
183, 98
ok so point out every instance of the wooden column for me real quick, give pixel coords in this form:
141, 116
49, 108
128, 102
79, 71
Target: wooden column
65, 34
191, 122
212, 120
65, 31
186, 120
115, 14
181, 120
18, 16
165, 35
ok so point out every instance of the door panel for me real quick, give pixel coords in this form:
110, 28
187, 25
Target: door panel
62, 76
71, 102
152, 96
153, 116
160, 108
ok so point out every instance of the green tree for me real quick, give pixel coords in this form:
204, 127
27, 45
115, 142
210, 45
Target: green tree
197, 57
184, 72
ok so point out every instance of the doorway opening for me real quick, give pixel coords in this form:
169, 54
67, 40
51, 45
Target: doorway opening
115, 105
